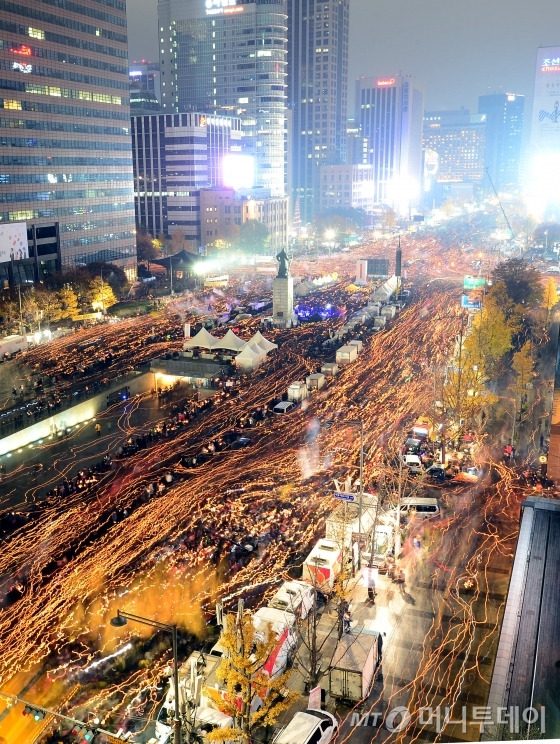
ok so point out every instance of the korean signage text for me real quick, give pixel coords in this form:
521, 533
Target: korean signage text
215, 7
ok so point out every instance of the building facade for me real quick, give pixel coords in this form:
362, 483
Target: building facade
454, 150
224, 211
317, 94
176, 155
346, 187
504, 132
66, 167
146, 76
390, 113
229, 58
543, 190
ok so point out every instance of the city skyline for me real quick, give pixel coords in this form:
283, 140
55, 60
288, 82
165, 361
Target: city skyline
490, 57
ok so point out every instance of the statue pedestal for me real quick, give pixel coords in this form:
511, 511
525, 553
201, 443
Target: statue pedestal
283, 302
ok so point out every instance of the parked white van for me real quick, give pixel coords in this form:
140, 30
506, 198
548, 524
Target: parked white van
422, 507
324, 564
309, 727
294, 597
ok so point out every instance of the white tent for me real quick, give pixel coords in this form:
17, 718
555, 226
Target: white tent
257, 349
229, 341
263, 342
203, 339
247, 360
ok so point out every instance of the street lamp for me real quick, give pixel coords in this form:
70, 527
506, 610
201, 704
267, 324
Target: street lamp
329, 237
121, 620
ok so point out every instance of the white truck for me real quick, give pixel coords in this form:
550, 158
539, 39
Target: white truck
297, 391
12, 345
295, 598
346, 355
354, 663
343, 525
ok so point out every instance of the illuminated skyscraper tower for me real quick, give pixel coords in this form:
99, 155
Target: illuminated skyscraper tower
504, 131
65, 125
390, 111
317, 94
229, 57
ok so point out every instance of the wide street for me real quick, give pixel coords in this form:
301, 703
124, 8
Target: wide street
171, 555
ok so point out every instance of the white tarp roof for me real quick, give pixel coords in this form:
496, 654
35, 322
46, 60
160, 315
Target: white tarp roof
229, 341
263, 342
247, 359
203, 339
256, 349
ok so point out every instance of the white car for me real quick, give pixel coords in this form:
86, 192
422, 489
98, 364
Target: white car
414, 464
309, 727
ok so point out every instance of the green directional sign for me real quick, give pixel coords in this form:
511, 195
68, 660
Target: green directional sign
472, 282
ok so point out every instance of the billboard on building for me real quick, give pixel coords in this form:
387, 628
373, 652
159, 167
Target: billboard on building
13, 241
546, 102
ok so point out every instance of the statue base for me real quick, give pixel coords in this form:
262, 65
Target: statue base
283, 315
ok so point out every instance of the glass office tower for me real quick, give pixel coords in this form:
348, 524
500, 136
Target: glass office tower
504, 132
317, 94
228, 57
66, 160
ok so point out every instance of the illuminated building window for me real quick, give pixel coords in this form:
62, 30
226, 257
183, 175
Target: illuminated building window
13, 105
35, 33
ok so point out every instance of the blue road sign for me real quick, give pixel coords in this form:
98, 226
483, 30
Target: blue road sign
344, 496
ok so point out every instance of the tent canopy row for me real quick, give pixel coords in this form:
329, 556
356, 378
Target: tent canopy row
258, 344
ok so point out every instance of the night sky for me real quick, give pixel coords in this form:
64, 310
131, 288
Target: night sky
458, 49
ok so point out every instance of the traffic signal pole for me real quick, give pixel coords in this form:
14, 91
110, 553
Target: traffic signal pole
31, 707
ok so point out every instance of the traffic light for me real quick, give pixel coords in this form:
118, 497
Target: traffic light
36, 713
84, 734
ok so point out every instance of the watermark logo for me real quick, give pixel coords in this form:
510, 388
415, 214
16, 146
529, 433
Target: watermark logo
397, 719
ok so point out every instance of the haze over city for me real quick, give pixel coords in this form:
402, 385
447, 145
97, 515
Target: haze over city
457, 50
279, 371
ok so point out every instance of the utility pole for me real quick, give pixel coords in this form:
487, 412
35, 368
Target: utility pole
102, 295
20, 313
171, 274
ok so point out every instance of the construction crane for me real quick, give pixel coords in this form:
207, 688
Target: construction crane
500, 203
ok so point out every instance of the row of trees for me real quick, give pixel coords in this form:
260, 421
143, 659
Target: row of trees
66, 297
514, 310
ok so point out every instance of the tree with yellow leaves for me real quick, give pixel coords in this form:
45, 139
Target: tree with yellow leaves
491, 335
550, 296
523, 365
249, 694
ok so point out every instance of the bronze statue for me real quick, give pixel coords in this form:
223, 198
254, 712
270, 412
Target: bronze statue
283, 268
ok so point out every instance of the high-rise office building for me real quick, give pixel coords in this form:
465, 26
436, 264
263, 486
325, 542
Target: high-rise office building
229, 57
390, 112
454, 147
145, 88
317, 94
176, 155
66, 168
544, 156
458, 138
504, 132
146, 76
